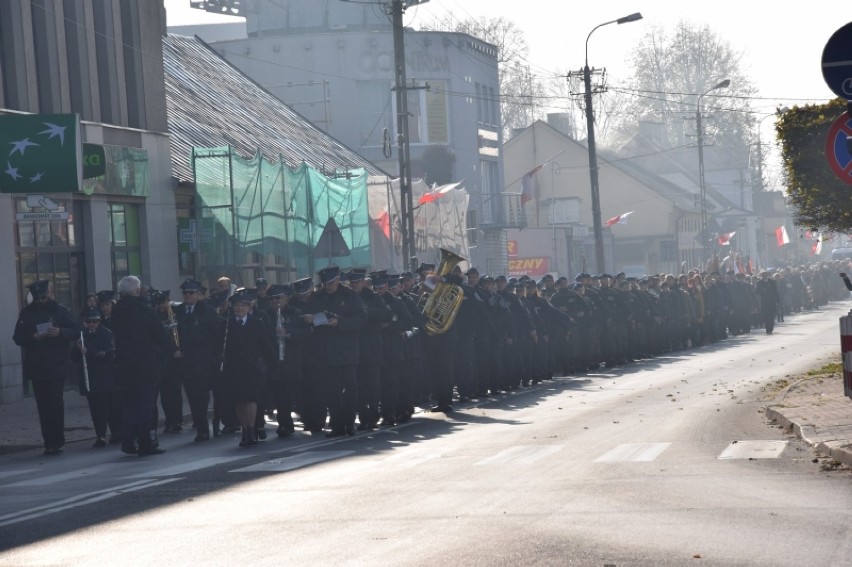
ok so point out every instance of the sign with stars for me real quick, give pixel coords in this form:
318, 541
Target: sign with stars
40, 153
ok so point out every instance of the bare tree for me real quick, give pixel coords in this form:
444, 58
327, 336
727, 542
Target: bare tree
671, 70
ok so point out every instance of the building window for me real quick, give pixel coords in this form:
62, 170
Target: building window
428, 118
668, 251
50, 248
124, 241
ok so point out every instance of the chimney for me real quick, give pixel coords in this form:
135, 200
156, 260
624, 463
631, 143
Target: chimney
561, 121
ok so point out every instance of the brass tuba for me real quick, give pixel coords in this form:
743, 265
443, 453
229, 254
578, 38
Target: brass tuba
445, 300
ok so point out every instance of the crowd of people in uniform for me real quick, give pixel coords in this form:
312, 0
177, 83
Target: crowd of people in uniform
351, 352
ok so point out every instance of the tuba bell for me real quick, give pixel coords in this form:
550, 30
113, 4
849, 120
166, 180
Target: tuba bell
444, 302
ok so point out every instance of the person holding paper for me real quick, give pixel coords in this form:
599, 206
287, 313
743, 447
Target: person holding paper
45, 331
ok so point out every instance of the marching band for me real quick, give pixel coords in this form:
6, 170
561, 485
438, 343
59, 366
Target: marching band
360, 350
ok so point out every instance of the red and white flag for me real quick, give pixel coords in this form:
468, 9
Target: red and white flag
816, 249
528, 187
620, 219
725, 239
436, 193
781, 236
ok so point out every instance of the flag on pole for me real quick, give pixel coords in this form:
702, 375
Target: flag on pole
620, 219
436, 193
528, 187
781, 236
725, 239
816, 249
383, 222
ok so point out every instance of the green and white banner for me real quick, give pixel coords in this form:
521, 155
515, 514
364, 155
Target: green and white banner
41, 153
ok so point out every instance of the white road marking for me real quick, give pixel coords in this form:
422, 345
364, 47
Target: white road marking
79, 500
4, 474
633, 453
186, 467
753, 450
64, 477
407, 459
295, 462
524, 454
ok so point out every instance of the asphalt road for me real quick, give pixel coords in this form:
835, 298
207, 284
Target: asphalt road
664, 462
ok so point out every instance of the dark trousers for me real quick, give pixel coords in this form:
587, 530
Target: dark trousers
282, 396
439, 352
105, 409
171, 399
342, 395
463, 365
51, 411
223, 406
198, 394
313, 409
140, 398
390, 391
369, 393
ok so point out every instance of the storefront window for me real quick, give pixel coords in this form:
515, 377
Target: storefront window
124, 233
46, 247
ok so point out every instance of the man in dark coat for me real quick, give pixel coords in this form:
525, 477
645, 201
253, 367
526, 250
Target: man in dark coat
338, 317
198, 328
140, 343
45, 331
97, 377
767, 291
371, 354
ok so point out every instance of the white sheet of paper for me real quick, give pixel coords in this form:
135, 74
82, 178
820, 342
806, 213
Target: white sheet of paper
42, 328
320, 319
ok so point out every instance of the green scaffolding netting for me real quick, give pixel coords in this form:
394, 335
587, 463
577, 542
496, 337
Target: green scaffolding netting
250, 206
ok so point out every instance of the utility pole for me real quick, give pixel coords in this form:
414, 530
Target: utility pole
402, 138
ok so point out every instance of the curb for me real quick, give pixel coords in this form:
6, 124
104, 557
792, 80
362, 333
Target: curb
838, 449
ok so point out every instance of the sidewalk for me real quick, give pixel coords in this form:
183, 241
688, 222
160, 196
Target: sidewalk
816, 411
20, 430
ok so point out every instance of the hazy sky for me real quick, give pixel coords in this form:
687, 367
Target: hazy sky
781, 46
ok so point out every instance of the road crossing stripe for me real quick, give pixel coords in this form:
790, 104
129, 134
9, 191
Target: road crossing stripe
295, 462
524, 454
753, 449
633, 453
79, 500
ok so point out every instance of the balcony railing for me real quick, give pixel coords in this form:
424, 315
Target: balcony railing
503, 210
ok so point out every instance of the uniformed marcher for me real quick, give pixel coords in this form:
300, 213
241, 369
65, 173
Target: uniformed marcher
338, 317
371, 354
97, 379
45, 331
140, 342
311, 406
248, 356
198, 328
106, 300
171, 398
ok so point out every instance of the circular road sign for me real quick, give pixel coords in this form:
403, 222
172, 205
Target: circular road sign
837, 62
837, 148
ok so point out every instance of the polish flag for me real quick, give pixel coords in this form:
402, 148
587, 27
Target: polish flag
436, 193
620, 219
816, 249
725, 239
781, 236
528, 186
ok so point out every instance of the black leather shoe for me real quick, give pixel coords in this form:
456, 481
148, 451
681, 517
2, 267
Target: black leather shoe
350, 430
129, 448
99, 442
150, 450
202, 437
364, 427
335, 433
261, 434
53, 451
284, 432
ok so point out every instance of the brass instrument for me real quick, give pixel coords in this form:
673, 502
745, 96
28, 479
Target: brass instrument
173, 324
279, 324
443, 303
85, 365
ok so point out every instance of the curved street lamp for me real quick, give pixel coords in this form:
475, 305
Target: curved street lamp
702, 185
590, 134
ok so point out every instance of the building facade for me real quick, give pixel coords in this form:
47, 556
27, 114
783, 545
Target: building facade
333, 62
101, 60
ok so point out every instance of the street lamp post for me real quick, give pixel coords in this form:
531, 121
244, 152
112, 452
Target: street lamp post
701, 184
593, 157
